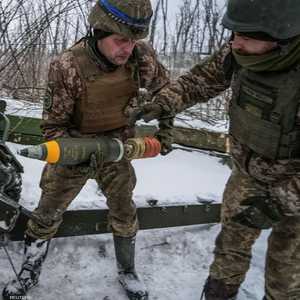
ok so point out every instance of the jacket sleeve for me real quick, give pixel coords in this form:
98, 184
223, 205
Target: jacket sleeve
153, 75
203, 82
64, 87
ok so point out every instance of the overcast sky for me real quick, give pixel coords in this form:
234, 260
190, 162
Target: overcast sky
174, 6
173, 9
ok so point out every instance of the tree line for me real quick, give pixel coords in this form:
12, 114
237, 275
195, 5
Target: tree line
32, 32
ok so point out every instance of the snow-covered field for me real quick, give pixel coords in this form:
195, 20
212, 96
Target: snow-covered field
173, 262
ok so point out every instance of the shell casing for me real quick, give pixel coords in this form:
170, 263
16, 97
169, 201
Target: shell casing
73, 151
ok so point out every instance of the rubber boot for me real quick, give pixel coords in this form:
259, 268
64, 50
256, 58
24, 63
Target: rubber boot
35, 252
128, 278
215, 289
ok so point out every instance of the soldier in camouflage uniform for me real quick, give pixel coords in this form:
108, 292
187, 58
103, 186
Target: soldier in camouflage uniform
262, 65
89, 89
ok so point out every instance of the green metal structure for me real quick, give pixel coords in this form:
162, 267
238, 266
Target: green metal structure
90, 222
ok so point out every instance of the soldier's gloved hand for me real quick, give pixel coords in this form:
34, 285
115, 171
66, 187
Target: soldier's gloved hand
166, 140
149, 112
133, 109
96, 163
10, 179
165, 135
133, 115
259, 213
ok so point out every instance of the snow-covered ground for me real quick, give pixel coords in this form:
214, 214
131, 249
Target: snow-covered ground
173, 262
22, 108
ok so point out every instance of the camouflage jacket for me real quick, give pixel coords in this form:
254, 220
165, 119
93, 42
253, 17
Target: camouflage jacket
65, 87
206, 81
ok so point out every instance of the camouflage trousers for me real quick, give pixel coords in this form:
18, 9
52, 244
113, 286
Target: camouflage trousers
61, 184
234, 242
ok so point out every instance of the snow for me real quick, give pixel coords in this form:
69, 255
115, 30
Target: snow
22, 108
173, 262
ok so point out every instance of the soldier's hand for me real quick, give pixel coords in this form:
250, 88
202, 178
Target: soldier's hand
133, 109
165, 135
166, 140
150, 111
133, 115
147, 112
96, 163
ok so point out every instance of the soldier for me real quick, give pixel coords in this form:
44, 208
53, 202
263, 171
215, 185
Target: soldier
262, 65
89, 86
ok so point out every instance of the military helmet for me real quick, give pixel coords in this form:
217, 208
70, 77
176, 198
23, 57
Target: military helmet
130, 18
277, 18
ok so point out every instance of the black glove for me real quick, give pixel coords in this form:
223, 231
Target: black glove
10, 178
259, 213
150, 111
165, 135
134, 108
147, 112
